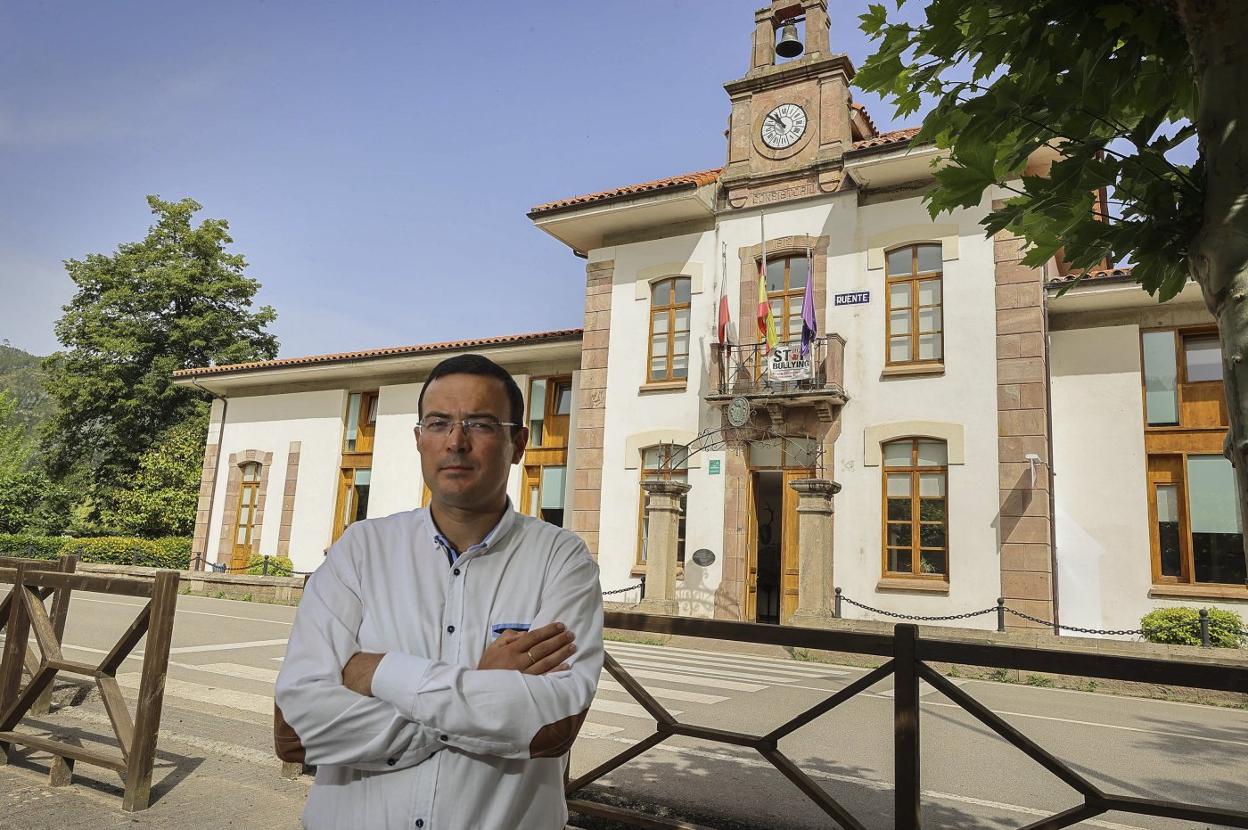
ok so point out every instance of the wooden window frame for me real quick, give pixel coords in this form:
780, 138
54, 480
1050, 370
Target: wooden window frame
250, 524
1181, 334
553, 383
916, 547
347, 471
913, 278
670, 310
1172, 444
783, 335
366, 429
679, 474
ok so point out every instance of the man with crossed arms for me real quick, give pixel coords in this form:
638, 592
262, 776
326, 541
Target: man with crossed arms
431, 674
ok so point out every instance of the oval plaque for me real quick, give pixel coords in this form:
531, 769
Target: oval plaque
703, 557
739, 412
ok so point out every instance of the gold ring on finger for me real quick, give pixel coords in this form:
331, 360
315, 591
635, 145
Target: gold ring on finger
532, 659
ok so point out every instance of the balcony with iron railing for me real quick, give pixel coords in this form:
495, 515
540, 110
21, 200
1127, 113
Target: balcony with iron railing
780, 375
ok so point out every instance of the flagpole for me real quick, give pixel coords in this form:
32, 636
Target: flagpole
762, 230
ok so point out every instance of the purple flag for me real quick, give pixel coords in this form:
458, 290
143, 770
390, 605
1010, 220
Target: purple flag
809, 327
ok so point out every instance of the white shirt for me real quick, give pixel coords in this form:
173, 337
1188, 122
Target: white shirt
442, 745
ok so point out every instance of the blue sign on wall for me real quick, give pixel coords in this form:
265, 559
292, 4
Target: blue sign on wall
712, 467
853, 298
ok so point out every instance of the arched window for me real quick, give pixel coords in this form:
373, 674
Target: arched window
656, 462
915, 329
916, 514
669, 330
786, 289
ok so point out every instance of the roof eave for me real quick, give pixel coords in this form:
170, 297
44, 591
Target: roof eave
584, 227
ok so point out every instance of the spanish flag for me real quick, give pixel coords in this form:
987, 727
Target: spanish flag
766, 322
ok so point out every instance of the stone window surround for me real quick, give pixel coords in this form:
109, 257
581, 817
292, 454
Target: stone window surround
646, 277
944, 235
638, 441
875, 436
288, 498
750, 257
229, 516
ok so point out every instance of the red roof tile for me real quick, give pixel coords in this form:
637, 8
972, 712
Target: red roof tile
670, 183
883, 139
392, 351
866, 115
703, 176
1099, 274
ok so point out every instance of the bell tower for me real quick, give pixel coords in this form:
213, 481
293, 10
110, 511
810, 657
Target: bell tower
792, 120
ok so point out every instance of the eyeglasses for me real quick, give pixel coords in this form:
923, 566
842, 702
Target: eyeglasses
473, 427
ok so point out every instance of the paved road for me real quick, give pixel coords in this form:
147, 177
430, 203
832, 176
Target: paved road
216, 767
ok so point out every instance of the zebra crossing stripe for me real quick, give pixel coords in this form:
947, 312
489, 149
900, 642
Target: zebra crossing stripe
670, 694
715, 667
214, 695
698, 671
258, 673
766, 663
620, 707
695, 680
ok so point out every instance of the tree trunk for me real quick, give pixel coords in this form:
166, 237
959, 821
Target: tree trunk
1215, 31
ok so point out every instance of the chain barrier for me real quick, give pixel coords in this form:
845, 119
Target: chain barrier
625, 588
916, 617
1124, 632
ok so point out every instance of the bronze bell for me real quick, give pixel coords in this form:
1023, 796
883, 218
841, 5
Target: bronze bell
789, 46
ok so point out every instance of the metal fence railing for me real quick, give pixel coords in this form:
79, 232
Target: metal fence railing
909, 660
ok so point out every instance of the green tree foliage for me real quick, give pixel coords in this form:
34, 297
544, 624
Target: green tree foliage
175, 300
161, 497
1113, 87
29, 501
20, 376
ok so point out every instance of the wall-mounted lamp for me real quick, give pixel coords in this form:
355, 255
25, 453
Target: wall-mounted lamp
1032, 461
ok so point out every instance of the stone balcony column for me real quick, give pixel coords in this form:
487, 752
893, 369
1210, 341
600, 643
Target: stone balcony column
662, 539
814, 555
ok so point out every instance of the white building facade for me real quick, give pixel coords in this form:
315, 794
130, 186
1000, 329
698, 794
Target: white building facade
991, 436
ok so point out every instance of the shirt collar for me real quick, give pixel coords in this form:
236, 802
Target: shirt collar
492, 538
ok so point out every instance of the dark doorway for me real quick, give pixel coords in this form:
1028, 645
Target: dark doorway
769, 516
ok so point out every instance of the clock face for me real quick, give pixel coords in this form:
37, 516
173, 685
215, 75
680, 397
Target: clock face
783, 126
739, 412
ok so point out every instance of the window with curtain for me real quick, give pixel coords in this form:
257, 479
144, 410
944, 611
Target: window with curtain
656, 462
914, 330
786, 289
669, 330
916, 509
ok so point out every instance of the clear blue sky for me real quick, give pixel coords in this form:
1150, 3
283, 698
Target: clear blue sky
375, 160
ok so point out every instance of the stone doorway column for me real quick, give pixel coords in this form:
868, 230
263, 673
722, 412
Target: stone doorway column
814, 556
662, 539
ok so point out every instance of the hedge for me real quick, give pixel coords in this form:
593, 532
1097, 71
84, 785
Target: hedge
169, 552
278, 565
1181, 626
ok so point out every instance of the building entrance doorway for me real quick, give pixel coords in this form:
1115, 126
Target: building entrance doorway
772, 538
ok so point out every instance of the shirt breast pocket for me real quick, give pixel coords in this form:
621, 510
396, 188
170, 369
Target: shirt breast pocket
498, 628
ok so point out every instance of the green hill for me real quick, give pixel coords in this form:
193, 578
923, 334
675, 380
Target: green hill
20, 375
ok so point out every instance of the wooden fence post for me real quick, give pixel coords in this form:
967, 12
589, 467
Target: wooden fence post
13, 657
906, 728
60, 612
151, 692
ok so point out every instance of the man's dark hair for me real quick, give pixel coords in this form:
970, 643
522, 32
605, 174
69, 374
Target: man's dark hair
475, 364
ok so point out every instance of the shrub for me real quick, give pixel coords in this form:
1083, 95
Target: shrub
1181, 626
29, 546
278, 565
170, 552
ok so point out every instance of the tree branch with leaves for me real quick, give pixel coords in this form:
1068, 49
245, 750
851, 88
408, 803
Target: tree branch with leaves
1113, 88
